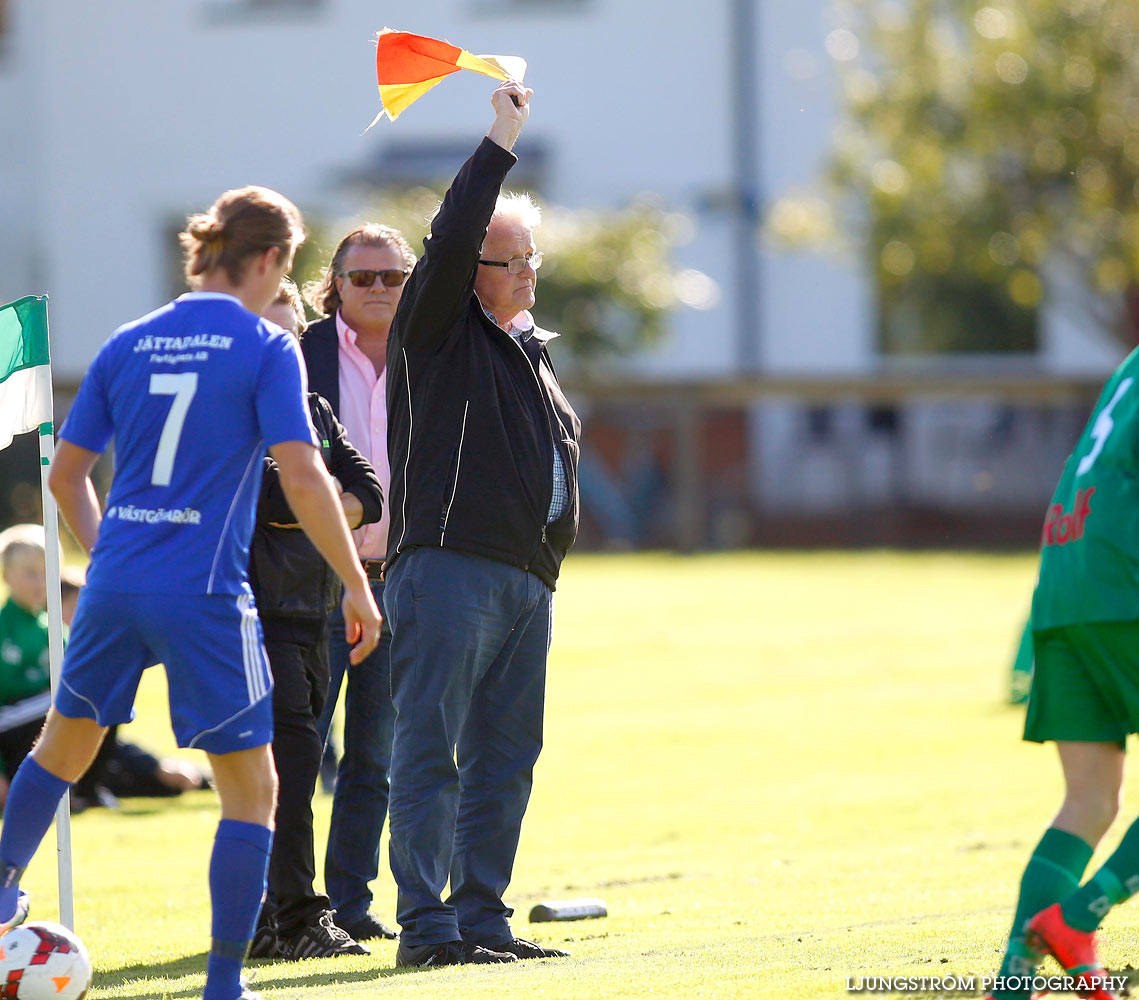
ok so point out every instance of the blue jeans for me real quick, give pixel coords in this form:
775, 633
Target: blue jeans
360, 803
468, 662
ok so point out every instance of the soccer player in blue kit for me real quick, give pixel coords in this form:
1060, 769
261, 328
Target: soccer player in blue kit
192, 394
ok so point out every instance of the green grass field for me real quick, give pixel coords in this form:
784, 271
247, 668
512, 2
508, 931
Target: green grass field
779, 771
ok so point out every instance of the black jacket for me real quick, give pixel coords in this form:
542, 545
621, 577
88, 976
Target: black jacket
290, 579
473, 417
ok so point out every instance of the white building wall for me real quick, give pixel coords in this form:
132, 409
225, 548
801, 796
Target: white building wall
138, 112
20, 137
145, 111
817, 310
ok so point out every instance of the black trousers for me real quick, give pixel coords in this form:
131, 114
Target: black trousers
298, 656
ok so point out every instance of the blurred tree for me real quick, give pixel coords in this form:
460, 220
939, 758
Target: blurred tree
607, 282
985, 150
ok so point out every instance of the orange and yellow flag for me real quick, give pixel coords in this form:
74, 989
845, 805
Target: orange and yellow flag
407, 66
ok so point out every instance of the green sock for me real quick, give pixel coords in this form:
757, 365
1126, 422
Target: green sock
1052, 873
1116, 881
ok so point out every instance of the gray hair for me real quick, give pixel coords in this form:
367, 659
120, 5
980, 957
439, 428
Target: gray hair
517, 207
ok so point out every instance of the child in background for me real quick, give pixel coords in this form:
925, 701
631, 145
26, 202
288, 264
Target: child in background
25, 694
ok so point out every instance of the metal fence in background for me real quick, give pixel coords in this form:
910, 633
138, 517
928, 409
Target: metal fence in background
943, 459
946, 458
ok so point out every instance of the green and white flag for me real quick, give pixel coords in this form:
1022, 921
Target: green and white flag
25, 367
26, 405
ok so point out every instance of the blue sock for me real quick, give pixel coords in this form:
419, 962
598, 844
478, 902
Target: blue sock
238, 866
32, 801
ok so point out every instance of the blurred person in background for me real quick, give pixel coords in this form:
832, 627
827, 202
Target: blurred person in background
346, 354
297, 592
192, 394
25, 683
484, 505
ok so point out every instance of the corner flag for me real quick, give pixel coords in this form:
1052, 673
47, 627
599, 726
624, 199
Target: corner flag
25, 368
26, 405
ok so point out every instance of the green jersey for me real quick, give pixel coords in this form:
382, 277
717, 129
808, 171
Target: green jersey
1089, 561
24, 661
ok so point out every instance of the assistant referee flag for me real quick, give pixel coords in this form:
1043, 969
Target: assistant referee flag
25, 369
407, 66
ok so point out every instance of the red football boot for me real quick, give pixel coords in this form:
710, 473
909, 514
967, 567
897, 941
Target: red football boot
1074, 950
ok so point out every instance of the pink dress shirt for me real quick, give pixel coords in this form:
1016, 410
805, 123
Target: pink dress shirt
364, 414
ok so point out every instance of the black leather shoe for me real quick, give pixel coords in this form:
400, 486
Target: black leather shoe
367, 927
448, 953
521, 948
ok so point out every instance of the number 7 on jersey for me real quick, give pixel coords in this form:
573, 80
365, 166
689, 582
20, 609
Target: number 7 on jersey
182, 387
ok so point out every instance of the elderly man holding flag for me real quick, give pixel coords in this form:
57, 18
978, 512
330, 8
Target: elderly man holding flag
483, 448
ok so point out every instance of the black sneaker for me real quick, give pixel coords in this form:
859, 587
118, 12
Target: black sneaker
266, 943
323, 939
448, 953
367, 927
521, 948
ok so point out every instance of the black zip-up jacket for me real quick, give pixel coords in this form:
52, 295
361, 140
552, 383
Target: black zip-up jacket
473, 417
290, 579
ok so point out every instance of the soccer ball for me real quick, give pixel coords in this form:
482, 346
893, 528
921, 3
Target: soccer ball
43, 961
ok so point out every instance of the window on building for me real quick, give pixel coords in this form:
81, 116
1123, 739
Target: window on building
417, 162
311, 257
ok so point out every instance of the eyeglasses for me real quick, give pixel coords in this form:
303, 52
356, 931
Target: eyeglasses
516, 265
364, 278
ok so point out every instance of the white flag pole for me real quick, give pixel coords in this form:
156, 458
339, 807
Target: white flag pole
55, 652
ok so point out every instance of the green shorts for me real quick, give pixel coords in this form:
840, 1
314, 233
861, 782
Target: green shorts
1085, 683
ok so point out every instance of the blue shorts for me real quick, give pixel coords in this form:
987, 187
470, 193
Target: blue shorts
216, 667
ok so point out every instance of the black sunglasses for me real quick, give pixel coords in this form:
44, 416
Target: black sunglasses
365, 278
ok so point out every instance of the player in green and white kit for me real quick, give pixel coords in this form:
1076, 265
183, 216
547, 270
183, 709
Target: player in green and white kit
1085, 692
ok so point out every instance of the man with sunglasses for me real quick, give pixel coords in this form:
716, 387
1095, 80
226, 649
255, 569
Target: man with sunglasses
346, 355
483, 448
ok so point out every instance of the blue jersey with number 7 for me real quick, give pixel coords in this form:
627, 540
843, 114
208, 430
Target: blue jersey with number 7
1089, 555
192, 394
